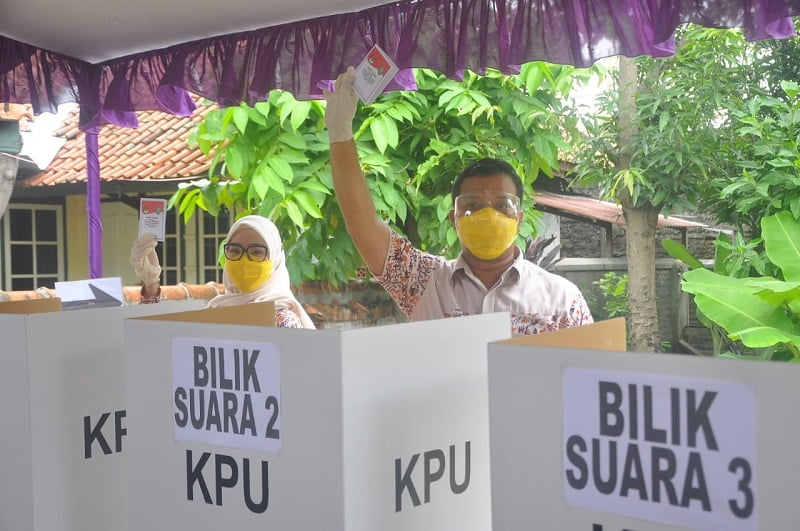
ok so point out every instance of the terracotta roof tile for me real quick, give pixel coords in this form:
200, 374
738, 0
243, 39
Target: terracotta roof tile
157, 149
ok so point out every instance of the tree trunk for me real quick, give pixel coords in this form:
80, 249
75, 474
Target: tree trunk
640, 242
8, 176
640, 228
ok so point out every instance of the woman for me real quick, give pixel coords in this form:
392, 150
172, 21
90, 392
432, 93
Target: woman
255, 271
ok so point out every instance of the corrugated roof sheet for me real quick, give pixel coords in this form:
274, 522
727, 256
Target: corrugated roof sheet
603, 211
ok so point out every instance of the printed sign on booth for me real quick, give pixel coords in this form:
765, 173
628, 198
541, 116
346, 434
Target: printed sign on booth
227, 393
667, 449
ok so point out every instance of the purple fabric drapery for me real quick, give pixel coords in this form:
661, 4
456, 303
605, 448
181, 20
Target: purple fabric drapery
450, 36
93, 205
446, 35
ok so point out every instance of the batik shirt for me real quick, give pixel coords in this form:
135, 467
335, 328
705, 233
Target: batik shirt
426, 286
286, 318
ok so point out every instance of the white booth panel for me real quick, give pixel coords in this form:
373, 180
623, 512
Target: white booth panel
62, 388
380, 428
584, 439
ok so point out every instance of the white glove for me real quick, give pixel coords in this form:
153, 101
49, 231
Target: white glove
145, 260
341, 108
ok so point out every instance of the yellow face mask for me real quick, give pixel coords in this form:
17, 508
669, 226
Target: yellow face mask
486, 233
247, 275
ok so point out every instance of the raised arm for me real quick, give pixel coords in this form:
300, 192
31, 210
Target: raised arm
370, 235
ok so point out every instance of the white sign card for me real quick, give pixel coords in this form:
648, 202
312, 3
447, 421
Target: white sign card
373, 74
227, 393
668, 449
152, 217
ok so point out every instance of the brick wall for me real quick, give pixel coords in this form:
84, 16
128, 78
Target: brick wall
356, 304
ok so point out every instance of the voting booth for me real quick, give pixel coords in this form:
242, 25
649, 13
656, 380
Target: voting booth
63, 411
250, 427
596, 440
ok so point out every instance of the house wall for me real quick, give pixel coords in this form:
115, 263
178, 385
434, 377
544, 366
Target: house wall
120, 228
76, 238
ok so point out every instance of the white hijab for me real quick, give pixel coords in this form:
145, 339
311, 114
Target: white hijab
277, 287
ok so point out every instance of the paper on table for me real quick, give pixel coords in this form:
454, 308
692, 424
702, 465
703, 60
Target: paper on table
94, 292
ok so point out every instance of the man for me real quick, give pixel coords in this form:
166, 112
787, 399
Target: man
490, 274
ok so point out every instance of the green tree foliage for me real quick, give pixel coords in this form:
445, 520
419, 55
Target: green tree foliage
682, 126
659, 138
766, 158
272, 159
778, 60
610, 299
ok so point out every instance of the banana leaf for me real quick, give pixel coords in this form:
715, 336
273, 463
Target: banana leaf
781, 233
738, 308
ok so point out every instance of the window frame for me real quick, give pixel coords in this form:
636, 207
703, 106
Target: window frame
9, 277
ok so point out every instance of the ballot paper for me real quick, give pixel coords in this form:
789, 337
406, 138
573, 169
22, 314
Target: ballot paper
373, 74
152, 217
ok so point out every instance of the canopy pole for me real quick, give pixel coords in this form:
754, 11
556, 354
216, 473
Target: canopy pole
93, 206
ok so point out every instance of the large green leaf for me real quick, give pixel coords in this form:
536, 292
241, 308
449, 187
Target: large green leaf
774, 285
722, 252
307, 203
299, 115
281, 168
234, 160
240, 118
781, 234
260, 183
293, 211
379, 134
734, 306
680, 252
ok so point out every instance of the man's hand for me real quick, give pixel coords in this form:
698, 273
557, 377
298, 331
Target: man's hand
145, 260
341, 108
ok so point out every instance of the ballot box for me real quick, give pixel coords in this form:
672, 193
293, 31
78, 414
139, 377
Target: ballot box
63, 412
249, 427
596, 440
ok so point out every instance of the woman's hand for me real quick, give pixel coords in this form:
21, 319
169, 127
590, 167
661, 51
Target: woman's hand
145, 261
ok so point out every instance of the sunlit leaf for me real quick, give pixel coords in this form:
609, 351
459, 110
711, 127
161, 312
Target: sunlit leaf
379, 134
307, 203
782, 234
299, 114
293, 212
282, 168
234, 161
240, 118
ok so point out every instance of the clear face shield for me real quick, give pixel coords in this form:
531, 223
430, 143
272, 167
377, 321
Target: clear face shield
471, 203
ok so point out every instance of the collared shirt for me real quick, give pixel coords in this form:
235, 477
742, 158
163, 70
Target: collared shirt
427, 286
